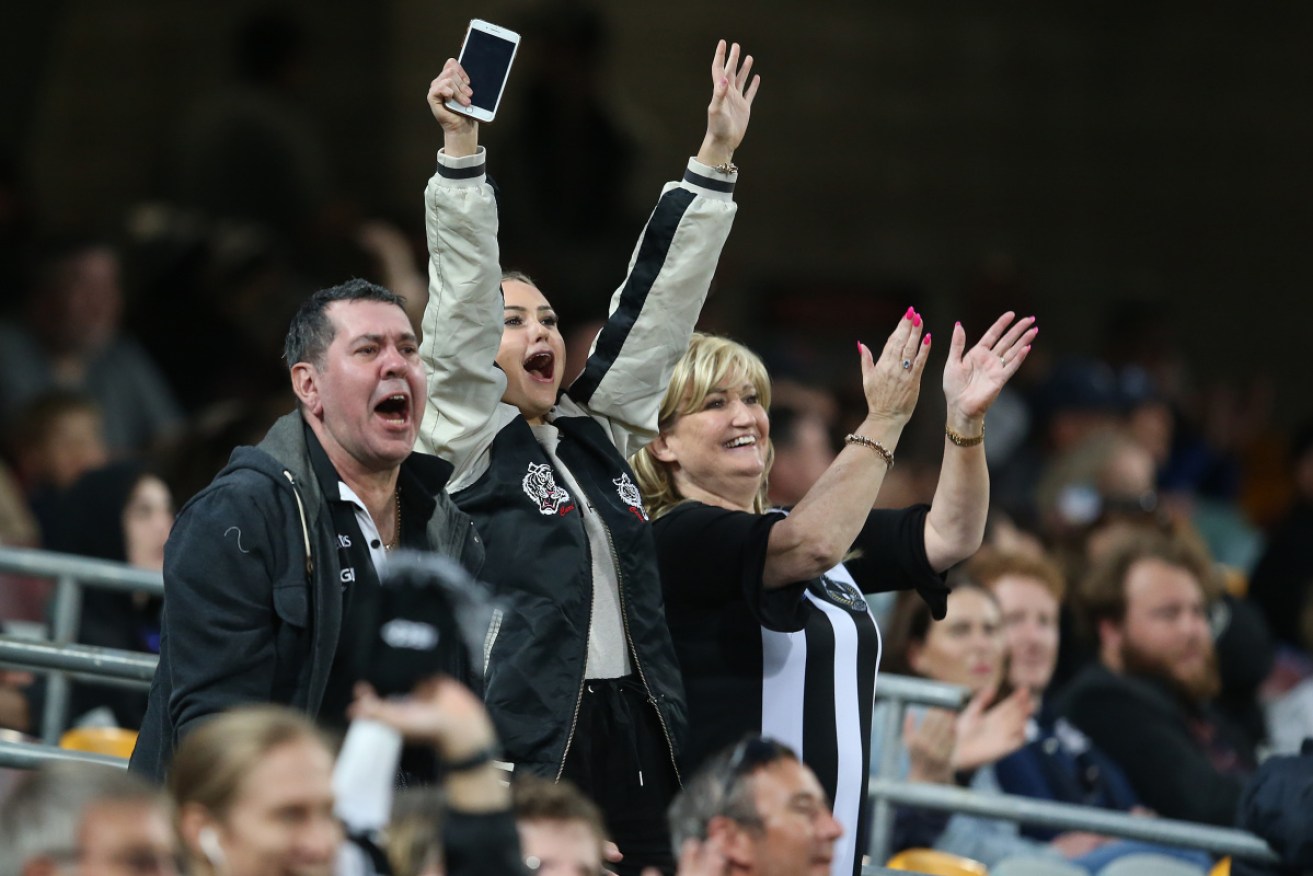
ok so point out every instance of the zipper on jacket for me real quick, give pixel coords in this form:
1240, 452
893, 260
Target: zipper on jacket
305, 527
490, 639
638, 664
588, 634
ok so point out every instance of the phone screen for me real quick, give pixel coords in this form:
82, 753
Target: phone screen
486, 58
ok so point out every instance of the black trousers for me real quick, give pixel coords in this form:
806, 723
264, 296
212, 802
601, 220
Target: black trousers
620, 758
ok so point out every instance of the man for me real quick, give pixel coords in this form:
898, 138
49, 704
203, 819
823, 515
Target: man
1147, 701
85, 819
754, 809
264, 564
72, 339
560, 829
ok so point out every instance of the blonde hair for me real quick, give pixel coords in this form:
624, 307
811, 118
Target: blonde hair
709, 361
211, 762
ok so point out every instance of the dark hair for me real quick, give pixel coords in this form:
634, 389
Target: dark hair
909, 624
312, 331
723, 786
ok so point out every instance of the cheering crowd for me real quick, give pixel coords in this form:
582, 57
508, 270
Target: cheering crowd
691, 588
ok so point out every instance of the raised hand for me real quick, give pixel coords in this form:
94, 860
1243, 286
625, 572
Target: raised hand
892, 383
460, 132
973, 378
733, 88
441, 712
986, 733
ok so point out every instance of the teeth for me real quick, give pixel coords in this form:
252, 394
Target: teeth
741, 441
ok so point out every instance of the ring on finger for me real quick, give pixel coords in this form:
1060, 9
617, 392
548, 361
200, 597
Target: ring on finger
907, 364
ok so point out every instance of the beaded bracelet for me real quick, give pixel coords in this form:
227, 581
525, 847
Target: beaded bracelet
885, 453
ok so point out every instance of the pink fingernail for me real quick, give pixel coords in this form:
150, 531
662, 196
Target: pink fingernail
909, 313
957, 325
916, 319
926, 340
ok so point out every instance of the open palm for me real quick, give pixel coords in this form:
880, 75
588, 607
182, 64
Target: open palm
973, 378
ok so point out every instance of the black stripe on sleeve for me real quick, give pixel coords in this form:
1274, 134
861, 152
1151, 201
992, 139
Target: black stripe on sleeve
716, 185
461, 172
652, 251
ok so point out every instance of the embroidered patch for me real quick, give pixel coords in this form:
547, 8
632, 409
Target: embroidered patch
540, 486
840, 593
629, 494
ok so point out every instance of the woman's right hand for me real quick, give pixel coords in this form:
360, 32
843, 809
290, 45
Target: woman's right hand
892, 383
988, 733
460, 132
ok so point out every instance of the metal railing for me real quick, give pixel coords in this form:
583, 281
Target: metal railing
63, 659
71, 574
886, 791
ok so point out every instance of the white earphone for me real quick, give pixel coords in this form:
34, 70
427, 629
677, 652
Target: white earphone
208, 839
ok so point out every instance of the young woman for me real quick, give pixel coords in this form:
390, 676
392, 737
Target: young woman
580, 676
122, 512
771, 629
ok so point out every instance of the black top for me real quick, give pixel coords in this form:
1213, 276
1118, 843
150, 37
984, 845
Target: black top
1184, 761
797, 663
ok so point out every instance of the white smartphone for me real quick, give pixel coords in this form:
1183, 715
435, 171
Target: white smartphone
486, 56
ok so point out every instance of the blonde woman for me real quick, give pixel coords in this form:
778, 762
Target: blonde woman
772, 630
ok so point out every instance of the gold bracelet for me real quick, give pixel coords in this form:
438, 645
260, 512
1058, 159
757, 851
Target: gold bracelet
885, 453
962, 440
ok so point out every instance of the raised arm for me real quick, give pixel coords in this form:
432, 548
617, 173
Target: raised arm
463, 319
973, 378
653, 313
823, 526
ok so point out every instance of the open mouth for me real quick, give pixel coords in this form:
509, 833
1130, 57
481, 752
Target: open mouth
741, 441
542, 366
395, 408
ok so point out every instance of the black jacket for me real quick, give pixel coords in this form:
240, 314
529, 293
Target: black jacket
535, 658
252, 597
1158, 741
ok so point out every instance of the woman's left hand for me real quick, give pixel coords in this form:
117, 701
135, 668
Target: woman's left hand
973, 378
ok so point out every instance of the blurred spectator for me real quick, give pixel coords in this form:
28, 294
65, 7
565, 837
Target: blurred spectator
252, 790
1057, 762
1283, 579
561, 830
969, 647
17, 525
123, 513
754, 808
803, 451
1157, 672
71, 339
54, 438
69, 817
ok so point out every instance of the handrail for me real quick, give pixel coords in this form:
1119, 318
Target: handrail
100, 573
88, 660
30, 755
1069, 816
71, 573
920, 691
898, 691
